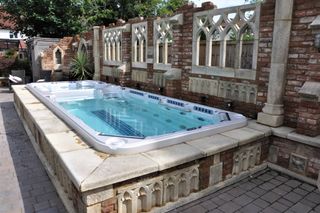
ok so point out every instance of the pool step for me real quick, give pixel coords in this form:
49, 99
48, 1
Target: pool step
122, 127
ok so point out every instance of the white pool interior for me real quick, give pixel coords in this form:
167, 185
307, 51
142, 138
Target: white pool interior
120, 120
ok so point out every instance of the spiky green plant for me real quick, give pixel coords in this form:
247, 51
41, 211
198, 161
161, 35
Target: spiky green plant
81, 69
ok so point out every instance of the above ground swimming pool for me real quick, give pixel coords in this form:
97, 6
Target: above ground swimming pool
120, 120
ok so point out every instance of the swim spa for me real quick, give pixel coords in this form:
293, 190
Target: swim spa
120, 120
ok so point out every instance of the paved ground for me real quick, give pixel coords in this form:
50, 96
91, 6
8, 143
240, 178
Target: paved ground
268, 192
24, 184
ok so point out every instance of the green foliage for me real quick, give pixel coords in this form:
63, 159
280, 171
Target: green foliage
248, 37
158, 7
99, 12
10, 53
81, 69
46, 18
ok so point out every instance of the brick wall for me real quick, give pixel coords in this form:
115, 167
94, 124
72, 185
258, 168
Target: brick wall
303, 60
264, 52
47, 58
181, 57
300, 158
109, 206
68, 53
309, 117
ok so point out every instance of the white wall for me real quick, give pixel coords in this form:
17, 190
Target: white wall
5, 34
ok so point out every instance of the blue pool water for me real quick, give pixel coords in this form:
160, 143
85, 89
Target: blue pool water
121, 120
130, 117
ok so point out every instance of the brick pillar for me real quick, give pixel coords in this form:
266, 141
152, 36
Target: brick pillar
96, 52
186, 49
173, 86
309, 109
125, 77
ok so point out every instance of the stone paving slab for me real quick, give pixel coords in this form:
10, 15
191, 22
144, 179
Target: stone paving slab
284, 194
214, 144
24, 184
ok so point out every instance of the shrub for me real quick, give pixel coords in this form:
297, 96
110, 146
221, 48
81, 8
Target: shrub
81, 69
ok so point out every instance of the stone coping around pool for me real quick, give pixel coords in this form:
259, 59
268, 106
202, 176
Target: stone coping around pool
89, 169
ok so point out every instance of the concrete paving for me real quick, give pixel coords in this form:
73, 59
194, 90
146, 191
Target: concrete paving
24, 183
267, 191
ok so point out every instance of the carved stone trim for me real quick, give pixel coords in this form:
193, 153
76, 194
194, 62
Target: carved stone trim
298, 163
159, 79
146, 194
112, 45
215, 25
246, 158
139, 75
225, 89
139, 44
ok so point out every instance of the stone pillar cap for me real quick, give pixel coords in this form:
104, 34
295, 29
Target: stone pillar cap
310, 90
316, 23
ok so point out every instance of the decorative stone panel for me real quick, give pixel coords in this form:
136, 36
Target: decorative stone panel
273, 154
216, 27
140, 76
224, 89
298, 163
107, 71
180, 183
139, 44
216, 170
112, 44
163, 40
159, 79
246, 158
238, 91
110, 71
143, 196
204, 86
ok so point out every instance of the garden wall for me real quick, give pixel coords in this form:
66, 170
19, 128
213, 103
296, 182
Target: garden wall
174, 68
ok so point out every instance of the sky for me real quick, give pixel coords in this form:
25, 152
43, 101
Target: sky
221, 3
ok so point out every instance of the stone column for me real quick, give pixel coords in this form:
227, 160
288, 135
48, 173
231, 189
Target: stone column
272, 114
96, 52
